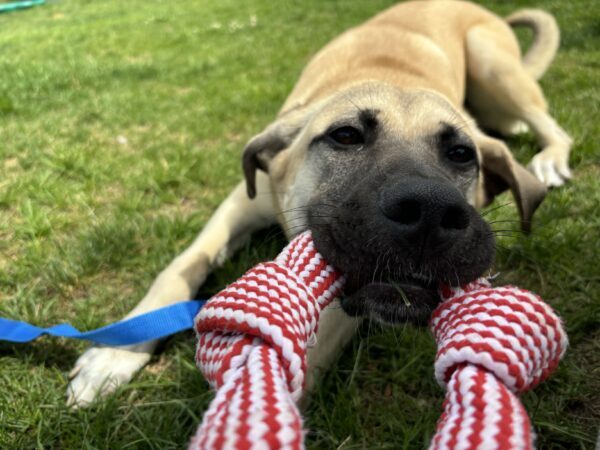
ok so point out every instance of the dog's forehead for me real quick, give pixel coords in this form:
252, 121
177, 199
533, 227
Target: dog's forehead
410, 114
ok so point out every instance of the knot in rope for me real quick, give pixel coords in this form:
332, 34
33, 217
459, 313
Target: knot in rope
492, 344
251, 347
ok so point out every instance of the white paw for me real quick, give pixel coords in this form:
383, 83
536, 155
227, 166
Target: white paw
100, 370
513, 128
551, 167
519, 127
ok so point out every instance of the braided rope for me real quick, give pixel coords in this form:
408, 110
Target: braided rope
252, 339
492, 344
252, 343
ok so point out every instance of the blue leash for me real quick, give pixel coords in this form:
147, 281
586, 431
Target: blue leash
151, 325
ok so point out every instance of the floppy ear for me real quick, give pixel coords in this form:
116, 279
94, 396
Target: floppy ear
501, 171
263, 147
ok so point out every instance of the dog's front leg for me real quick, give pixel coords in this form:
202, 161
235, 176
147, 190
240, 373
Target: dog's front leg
335, 330
101, 369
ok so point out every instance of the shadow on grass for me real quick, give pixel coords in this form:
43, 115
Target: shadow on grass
264, 245
47, 351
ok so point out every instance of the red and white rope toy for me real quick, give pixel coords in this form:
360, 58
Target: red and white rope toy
253, 337
252, 342
493, 343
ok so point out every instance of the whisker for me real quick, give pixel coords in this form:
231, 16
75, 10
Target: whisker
508, 231
504, 221
487, 211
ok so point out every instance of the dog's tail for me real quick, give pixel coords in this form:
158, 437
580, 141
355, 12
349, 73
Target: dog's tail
545, 40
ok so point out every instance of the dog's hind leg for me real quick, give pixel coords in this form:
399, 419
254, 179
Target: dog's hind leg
101, 369
488, 116
501, 88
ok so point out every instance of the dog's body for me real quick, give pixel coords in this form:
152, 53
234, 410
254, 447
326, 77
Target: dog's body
375, 138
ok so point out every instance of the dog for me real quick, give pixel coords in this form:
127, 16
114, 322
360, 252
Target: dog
381, 150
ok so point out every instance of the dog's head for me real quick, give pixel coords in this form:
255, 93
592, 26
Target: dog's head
388, 181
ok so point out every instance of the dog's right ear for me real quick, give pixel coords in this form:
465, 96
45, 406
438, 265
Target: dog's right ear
263, 147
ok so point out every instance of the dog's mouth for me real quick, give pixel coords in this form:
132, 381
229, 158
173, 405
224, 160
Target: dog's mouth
393, 303
416, 280
393, 280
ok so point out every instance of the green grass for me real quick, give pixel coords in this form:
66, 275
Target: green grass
121, 126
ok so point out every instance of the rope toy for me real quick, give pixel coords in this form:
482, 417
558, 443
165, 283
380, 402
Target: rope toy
492, 343
252, 342
252, 339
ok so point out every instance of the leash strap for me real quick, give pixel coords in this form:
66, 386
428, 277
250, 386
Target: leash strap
151, 325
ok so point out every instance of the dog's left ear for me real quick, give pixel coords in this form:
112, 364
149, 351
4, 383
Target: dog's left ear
263, 147
501, 171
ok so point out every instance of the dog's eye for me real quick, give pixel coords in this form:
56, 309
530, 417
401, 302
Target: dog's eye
347, 136
460, 154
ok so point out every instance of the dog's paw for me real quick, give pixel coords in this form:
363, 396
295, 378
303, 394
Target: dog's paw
512, 128
551, 167
518, 127
100, 370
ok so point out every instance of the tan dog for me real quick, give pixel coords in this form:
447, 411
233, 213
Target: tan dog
374, 151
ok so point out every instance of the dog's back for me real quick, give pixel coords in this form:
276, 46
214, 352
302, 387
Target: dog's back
413, 45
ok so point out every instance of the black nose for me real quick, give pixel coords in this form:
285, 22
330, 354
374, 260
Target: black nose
425, 209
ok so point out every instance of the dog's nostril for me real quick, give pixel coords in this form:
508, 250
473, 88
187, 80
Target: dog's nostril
409, 212
455, 218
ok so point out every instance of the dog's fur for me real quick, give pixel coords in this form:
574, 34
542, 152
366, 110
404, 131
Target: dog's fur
405, 81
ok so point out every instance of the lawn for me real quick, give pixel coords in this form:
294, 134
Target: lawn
121, 128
